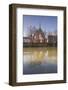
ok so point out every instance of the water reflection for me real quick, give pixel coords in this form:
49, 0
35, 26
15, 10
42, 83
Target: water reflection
39, 60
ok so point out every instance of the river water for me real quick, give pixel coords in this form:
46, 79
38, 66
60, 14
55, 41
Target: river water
39, 60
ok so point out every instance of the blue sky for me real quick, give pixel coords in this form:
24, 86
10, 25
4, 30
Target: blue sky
48, 23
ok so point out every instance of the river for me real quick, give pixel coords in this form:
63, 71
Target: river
39, 60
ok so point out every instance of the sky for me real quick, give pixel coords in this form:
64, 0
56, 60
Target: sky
48, 23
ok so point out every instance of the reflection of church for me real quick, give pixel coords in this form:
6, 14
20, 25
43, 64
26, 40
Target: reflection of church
40, 55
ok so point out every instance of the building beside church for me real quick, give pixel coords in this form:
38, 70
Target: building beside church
52, 39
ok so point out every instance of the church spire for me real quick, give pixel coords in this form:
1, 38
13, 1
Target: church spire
40, 27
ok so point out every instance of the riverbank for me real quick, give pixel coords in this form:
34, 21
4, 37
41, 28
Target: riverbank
40, 45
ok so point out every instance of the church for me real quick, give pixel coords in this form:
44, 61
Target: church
36, 37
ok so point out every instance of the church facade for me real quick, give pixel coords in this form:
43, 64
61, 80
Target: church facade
36, 37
